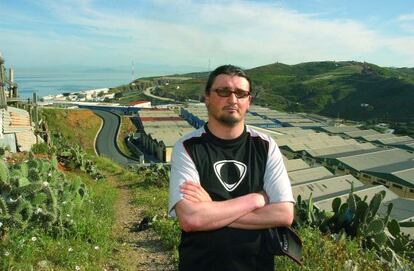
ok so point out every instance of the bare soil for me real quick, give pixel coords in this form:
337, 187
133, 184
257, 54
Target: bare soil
135, 250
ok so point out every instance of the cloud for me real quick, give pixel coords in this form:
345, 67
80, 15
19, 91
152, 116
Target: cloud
406, 22
188, 32
406, 17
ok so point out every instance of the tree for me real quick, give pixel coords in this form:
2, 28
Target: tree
118, 95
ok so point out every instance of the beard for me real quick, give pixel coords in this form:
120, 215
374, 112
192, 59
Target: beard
228, 120
225, 118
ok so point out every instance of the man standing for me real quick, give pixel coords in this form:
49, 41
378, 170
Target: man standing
228, 183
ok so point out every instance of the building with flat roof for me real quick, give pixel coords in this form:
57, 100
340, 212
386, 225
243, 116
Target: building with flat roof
372, 136
159, 130
309, 174
327, 188
197, 116
287, 119
367, 161
294, 164
392, 168
323, 186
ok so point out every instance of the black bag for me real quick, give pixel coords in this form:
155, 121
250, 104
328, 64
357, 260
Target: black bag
284, 241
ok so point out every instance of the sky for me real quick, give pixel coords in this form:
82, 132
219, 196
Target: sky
201, 35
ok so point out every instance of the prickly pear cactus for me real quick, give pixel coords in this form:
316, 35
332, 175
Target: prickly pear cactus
34, 193
4, 171
74, 157
362, 220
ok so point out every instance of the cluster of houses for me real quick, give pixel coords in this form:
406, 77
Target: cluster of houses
93, 95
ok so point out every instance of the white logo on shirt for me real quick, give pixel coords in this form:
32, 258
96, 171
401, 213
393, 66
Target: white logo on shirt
229, 181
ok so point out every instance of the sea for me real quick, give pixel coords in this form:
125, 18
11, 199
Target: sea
54, 82
51, 81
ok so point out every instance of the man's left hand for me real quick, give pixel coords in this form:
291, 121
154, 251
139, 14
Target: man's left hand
194, 192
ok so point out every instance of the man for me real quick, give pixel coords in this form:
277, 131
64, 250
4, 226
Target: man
228, 183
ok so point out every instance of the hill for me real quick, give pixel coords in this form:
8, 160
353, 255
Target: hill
348, 89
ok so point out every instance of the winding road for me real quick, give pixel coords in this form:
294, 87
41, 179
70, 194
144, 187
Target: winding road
147, 92
106, 141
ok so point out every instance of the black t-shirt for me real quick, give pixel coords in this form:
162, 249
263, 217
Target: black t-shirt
238, 164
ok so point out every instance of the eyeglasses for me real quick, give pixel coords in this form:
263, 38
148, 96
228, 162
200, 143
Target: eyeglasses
226, 92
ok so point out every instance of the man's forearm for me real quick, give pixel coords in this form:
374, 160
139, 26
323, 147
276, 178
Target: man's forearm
202, 216
271, 215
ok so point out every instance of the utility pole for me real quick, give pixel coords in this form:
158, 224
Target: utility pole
132, 71
3, 101
12, 86
35, 112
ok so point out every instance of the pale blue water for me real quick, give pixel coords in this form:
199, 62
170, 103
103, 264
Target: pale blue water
54, 80
46, 83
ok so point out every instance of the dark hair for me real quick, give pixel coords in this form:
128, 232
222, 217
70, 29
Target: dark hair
228, 70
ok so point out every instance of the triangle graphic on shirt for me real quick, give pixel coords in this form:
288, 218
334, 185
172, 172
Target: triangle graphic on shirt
231, 180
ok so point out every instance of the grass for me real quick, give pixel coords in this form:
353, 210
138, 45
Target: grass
126, 128
132, 97
78, 126
322, 252
133, 94
154, 200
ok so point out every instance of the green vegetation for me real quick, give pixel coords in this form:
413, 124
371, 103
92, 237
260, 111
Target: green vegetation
69, 142
55, 215
40, 148
348, 89
403, 128
152, 192
73, 157
333, 251
50, 220
125, 129
360, 220
77, 126
132, 97
149, 190
336, 89
86, 245
126, 94
182, 90
149, 186
35, 193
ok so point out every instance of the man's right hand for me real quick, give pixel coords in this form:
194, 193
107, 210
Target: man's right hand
197, 212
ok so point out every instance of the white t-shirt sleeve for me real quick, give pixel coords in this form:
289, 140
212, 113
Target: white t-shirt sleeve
182, 169
276, 180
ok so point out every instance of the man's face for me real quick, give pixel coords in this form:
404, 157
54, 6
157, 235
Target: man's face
229, 110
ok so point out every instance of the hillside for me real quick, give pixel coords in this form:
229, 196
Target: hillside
115, 218
348, 89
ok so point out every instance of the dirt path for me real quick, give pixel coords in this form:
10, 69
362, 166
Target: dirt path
135, 250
